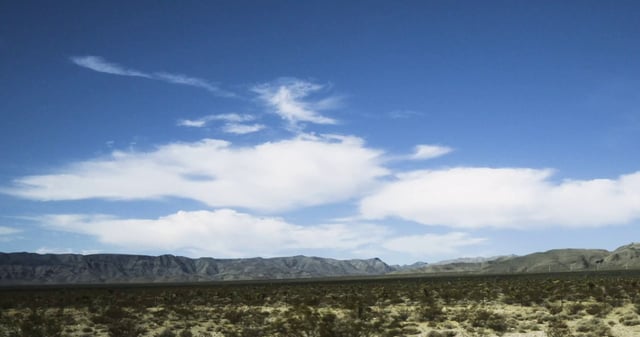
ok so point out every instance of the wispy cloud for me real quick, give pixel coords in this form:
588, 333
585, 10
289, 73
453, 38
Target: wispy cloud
423, 152
302, 171
472, 197
191, 81
290, 99
234, 123
99, 64
432, 244
203, 121
8, 230
242, 129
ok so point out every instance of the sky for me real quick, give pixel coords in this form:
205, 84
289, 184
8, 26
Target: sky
404, 130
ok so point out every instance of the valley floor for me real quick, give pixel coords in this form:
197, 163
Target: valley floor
559, 305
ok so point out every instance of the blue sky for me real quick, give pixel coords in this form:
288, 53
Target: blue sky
415, 130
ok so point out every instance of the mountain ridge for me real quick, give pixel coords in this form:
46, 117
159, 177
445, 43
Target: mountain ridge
33, 268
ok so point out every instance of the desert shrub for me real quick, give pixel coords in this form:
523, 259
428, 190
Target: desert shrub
430, 313
233, 315
124, 328
593, 328
598, 309
574, 308
186, 333
488, 319
38, 324
166, 332
629, 319
110, 314
402, 315
553, 309
448, 333
9, 328
558, 328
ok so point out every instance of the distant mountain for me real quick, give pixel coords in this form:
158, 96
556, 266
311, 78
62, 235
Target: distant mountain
30, 268
556, 260
415, 265
473, 259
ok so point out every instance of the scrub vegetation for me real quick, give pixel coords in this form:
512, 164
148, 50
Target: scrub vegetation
555, 305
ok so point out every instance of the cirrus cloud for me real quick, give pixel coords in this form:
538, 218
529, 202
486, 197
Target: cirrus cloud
234, 123
8, 230
99, 64
290, 99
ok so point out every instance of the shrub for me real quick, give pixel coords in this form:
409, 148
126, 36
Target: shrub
37, 324
558, 328
124, 328
489, 319
593, 328
166, 333
448, 333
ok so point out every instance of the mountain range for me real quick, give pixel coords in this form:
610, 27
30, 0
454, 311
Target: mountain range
31, 268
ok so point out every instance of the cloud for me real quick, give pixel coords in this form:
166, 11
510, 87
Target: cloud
241, 129
8, 230
191, 81
290, 100
219, 233
194, 123
99, 64
232, 117
422, 152
234, 123
432, 244
303, 171
47, 250
504, 198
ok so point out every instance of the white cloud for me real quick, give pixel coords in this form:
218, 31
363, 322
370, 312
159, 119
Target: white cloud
48, 250
193, 123
241, 129
191, 81
8, 230
302, 171
422, 152
432, 244
232, 117
234, 123
219, 233
505, 198
290, 100
99, 64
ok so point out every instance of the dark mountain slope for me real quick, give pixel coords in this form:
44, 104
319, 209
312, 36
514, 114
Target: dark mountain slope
22, 268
